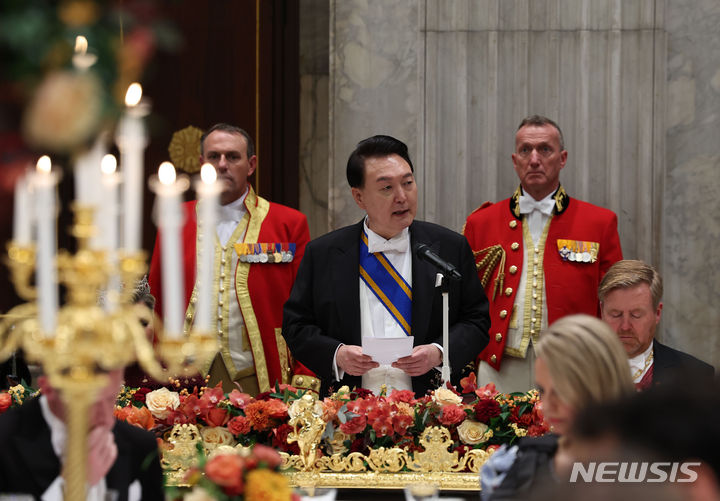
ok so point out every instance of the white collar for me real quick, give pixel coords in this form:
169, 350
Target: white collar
399, 243
639, 362
235, 210
58, 431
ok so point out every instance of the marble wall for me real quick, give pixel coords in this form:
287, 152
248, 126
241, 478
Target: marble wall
691, 199
633, 83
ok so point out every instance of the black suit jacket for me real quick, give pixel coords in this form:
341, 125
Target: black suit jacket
323, 310
28, 464
671, 365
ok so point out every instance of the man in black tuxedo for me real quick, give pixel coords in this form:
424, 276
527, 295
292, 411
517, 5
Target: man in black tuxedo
338, 299
630, 301
123, 461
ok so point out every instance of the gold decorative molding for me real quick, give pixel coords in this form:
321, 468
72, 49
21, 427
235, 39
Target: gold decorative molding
184, 149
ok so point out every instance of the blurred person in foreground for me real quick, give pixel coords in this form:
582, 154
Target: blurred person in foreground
122, 462
631, 303
668, 434
579, 362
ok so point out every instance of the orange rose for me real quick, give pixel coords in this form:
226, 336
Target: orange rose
216, 416
5, 402
226, 470
141, 418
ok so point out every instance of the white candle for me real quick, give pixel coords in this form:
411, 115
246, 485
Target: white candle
82, 59
131, 140
108, 210
169, 219
88, 180
208, 191
22, 212
46, 274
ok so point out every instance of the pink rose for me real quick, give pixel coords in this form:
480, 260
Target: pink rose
452, 415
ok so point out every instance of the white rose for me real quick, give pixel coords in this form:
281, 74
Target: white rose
443, 396
199, 494
215, 436
472, 432
161, 402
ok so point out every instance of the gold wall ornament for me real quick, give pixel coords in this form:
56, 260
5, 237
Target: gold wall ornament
89, 341
184, 149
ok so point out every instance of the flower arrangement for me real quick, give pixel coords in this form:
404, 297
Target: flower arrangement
356, 420
15, 396
249, 474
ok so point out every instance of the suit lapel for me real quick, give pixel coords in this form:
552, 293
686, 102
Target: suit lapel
344, 263
423, 284
34, 448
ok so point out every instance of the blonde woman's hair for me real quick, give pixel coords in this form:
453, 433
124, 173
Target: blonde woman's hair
586, 360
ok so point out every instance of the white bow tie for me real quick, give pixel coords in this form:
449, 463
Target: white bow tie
529, 204
393, 245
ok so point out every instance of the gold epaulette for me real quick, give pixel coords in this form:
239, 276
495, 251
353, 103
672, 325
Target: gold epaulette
490, 257
305, 382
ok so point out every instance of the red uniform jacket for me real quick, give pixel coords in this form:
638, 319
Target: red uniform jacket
262, 289
570, 286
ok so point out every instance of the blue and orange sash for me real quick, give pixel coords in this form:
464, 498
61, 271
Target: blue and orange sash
387, 284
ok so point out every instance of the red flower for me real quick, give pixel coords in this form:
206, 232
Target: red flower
239, 399
239, 425
138, 417
277, 409
140, 393
191, 407
354, 425
401, 423
260, 413
383, 426
407, 396
175, 417
356, 406
5, 402
212, 396
452, 415
279, 439
487, 391
267, 455
216, 416
361, 393
525, 420
226, 470
492, 448
469, 384
487, 409
537, 430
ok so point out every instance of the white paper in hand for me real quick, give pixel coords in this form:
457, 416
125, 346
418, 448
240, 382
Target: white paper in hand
386, 350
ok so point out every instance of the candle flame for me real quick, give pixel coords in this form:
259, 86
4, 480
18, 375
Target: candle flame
133, 95
44, 164
81, 44
108, 164
208, 174
166, 173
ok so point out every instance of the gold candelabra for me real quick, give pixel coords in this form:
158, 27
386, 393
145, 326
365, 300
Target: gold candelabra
90, 340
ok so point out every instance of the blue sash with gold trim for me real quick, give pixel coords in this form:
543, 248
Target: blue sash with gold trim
387, 284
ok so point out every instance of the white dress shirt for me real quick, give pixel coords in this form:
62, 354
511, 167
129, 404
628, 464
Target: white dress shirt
229, 216
58, 439
640, 364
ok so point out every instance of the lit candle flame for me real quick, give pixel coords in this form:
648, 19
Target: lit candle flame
208, 174
108, 164
81, 44
133, 95
44, 164
166, 173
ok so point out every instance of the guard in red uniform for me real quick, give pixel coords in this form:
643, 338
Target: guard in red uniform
258, 249
540, 255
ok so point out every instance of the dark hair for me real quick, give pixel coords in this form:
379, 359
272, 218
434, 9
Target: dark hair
373, 147
539, 121
232, 129
142, 294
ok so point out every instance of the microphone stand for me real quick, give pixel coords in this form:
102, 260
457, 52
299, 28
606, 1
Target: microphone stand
442, 282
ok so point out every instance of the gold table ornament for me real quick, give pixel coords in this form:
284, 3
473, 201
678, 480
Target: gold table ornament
88, 340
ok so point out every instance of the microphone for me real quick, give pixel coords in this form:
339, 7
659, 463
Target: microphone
448, 269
